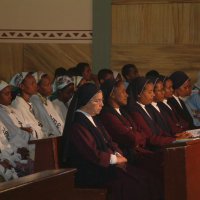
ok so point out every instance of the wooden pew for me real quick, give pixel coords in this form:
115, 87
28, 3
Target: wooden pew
48, 185
46, 157
46, 153
182, 171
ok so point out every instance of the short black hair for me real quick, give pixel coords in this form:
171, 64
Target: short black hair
60, 71
80, 67
127, 68
152, 74
103, 72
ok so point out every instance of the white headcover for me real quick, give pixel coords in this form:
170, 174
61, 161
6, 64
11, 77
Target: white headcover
18, 78
197, 84
77, 80
61, 82
3, 84
38, 76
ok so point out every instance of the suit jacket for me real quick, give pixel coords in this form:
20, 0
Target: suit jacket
181, 111
90, 150
155, 135
177, 124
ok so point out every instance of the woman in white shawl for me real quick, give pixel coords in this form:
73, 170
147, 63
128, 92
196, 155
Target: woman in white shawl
64, 89
27, 85
43, 107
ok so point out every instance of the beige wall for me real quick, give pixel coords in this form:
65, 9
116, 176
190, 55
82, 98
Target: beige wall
44, 35
46, 14
156, 34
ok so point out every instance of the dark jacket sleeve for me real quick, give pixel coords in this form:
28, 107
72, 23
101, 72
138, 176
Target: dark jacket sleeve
153, 138
122, 134
86, 146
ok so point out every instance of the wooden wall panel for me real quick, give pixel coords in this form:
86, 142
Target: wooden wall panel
48, 57
11, 60
165, 59
157, 35
44, 57
126, 2
156, 23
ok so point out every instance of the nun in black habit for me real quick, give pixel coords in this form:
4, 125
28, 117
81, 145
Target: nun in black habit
100, 163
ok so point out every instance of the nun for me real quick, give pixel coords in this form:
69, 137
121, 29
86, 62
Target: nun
118, 123
63, 90
43, 108
182, 89
141, 90
176, 123
28, 87
154, 110
99, 161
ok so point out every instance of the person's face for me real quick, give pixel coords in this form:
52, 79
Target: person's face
132, 74
67, 93
168, 89
29, 85
94, 106
146, 97
119, 95
87, 73
44, 86
5, 96
109, 76
185, 89
159, 92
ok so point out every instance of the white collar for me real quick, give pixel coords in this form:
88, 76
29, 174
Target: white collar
118, 110
177, 99
165, 102
143, 107
155, 105
88, 116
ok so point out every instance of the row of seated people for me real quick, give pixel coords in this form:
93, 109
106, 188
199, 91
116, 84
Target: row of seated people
99, 161
26, 114
115, 136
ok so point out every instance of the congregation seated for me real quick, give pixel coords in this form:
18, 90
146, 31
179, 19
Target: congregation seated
121, 149
99, 161
140, 96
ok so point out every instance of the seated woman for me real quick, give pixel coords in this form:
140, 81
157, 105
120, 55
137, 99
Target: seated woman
100, 163
118, 123
157, 113
28, 87
133, 141
182, 89
176, 123
43, 108
193, 102
63, 92
141, 90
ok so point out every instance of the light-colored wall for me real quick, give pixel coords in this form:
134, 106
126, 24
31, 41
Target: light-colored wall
156, 34
44, 35
46, 14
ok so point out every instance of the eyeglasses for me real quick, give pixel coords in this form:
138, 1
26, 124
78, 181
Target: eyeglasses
97, 101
